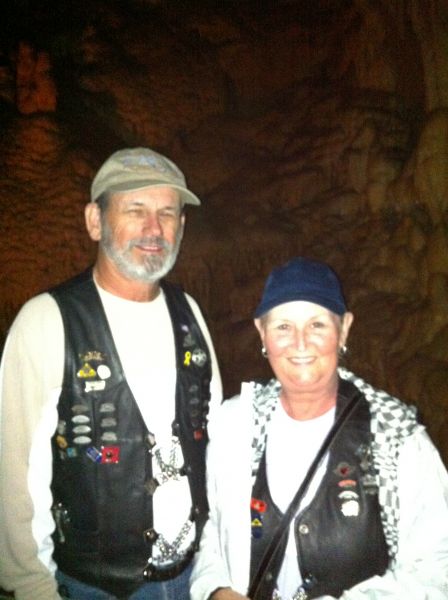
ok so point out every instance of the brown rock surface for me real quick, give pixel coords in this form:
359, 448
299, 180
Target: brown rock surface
311, 127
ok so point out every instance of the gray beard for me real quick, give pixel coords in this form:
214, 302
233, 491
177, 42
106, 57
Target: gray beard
153, 268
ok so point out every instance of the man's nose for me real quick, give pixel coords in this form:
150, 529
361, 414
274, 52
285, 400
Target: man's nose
152, 225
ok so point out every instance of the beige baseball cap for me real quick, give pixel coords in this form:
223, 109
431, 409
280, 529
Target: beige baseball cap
138, 168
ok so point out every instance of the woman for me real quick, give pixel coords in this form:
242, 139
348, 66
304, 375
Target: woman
373, 521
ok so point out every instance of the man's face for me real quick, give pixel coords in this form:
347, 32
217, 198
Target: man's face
141, 232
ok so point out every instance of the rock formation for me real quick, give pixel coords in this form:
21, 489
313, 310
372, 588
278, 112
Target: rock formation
317, 127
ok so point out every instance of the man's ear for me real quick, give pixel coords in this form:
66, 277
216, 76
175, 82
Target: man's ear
92, 214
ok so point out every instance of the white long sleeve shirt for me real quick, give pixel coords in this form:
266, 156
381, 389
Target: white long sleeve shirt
31, 378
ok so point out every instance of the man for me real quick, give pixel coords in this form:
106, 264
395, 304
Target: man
106, 383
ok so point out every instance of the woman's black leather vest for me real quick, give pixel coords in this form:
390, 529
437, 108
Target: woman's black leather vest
339, 535
102, 476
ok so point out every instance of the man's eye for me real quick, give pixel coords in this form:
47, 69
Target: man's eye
317, 324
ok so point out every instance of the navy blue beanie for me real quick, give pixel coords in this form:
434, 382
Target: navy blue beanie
302, 279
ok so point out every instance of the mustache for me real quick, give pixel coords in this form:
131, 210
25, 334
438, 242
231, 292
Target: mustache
157, 241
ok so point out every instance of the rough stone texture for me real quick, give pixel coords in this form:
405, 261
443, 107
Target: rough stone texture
310, 127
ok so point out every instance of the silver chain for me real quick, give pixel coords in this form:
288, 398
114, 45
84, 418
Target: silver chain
168, 470
299, 595
170, 552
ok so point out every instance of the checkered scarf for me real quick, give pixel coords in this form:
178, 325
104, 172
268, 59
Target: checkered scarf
391, 422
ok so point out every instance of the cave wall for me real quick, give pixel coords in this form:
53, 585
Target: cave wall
306, 127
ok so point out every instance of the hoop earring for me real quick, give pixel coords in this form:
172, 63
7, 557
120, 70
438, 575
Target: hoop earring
264, 352
342, 351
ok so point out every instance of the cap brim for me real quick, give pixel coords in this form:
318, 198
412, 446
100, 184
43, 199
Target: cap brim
334, 307
129, 186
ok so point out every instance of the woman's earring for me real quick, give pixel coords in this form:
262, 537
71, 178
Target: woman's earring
342, 350
264, 352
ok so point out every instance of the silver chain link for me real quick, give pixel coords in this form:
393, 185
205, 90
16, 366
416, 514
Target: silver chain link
170, 552
168, 470
299, 595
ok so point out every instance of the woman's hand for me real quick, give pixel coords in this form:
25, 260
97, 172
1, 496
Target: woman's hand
227, 594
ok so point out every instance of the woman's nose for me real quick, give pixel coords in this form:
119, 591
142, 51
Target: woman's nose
299, 339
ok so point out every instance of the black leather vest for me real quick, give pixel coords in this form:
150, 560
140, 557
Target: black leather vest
102, 475
339, 535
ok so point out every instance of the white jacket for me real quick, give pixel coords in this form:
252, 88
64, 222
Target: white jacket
421, 569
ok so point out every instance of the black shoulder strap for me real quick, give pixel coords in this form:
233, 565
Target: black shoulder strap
294, 505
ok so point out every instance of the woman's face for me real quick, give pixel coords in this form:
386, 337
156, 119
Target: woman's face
302, 340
